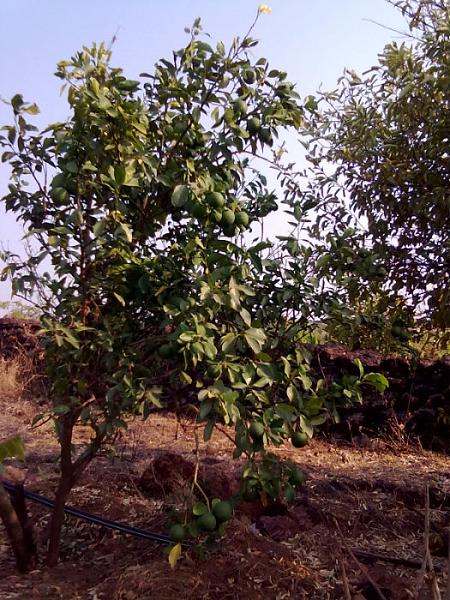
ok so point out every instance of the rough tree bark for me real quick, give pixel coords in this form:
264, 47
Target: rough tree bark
22, 549
71, 471
19, 504
65, 484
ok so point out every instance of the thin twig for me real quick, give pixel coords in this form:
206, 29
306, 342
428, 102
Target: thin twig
395, 560
426, 544
436, 594
405, 34
447, 595
195, 483
345, 585
225, 433
360, 566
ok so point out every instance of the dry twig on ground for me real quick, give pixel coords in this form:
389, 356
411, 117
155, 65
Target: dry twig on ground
360, 566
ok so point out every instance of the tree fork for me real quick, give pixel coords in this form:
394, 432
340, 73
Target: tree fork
70, 473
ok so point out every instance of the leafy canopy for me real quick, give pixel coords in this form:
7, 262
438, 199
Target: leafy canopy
379, 163
139, 201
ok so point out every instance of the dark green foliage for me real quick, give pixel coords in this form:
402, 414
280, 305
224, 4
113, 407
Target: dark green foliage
386, 133
133, 200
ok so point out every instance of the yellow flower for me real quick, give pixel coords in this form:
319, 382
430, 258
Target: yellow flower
263, 8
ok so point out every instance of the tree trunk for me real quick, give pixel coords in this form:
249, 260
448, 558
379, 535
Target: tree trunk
57, 518
15, 532
70, 473
66, 481
19, 505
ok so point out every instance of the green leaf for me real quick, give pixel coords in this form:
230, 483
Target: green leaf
246, 317
234, 294
119, 298
359, 364
209, 428
104, 103
199, 509
61, 409
268, 370
306, 381
291, 392
378, 380
305, 425
205, 409
255, 338
69, 337
286, 412
287, 366
209, 349
12, 448
119, 174
180, 195
153, 396
17, 102
37, 418
228, 341
32, 109
185, 377
323, 261
125, 232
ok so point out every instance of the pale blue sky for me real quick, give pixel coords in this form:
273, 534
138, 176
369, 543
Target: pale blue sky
313, 40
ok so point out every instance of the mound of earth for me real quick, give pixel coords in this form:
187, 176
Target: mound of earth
416, 404
18, 337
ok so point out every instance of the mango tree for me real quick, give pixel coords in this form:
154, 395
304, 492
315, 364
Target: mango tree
140, 202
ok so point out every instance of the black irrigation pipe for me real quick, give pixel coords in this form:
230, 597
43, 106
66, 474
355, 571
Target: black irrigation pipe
81, 514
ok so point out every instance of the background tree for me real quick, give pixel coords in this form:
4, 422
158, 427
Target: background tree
19, 310
380, 173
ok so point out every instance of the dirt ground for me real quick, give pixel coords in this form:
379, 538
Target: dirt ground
359, 498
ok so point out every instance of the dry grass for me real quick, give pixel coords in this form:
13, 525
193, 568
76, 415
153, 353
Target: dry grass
11, 381
20, 390
21, 378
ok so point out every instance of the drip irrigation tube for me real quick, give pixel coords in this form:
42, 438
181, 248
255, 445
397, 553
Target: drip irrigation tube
81, 514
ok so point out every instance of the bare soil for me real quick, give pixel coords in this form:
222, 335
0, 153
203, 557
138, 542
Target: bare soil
358, 498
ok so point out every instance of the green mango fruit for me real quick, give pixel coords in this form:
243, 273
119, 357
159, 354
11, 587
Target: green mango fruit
240, 107
177, 533
265, 136
215, 199
59, 195
207, 522
256, 429
253, 125
299, 439
242, 219
228, 217
198, 211
223, 511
